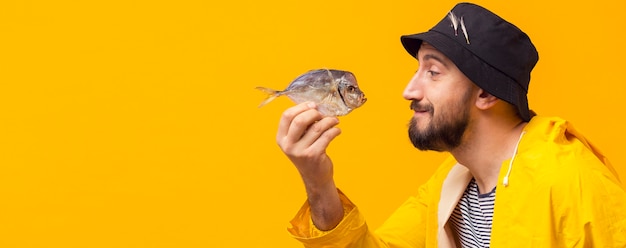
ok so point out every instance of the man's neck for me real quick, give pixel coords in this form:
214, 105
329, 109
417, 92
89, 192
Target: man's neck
485, 148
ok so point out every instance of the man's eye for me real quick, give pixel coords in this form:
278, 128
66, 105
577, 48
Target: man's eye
433, 73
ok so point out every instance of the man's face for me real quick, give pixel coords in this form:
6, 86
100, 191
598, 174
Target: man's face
441, 98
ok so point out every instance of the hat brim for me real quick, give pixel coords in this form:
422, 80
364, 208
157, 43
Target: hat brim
478, 71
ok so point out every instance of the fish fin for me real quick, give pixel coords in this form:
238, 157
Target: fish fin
329, 73
272, 94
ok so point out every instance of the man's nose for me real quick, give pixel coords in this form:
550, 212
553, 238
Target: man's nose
413, 90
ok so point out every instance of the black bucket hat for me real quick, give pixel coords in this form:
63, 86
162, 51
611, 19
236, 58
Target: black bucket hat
496, 55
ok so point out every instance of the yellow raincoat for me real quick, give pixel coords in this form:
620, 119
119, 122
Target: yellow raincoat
561, 192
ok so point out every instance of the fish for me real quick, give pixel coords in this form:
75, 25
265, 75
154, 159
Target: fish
335, 92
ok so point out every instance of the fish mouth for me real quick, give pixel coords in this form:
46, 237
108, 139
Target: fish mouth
359, 101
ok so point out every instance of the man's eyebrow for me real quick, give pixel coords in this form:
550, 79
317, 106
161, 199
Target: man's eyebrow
435, 57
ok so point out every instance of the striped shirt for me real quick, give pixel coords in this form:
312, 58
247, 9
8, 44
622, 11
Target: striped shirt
472, 217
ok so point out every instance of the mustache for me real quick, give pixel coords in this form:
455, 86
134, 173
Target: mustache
421, 107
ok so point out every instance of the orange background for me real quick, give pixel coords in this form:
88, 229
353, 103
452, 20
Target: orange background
135, 123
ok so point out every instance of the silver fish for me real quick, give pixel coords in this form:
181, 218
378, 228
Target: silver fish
335, 92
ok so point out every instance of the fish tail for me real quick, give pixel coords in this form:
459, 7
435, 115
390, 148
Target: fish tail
272, 94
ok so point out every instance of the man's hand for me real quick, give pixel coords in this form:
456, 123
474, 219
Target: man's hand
303, 135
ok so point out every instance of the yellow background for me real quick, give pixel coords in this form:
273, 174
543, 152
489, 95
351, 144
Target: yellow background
135, 123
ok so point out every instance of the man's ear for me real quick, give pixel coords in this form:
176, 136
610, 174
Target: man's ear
485, 100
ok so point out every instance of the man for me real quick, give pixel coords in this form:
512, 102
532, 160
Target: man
514, 179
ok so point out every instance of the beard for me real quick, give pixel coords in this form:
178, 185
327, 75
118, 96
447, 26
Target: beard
445, 131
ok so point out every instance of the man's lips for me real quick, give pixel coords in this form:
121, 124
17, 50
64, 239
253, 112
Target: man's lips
421, 114
419, 108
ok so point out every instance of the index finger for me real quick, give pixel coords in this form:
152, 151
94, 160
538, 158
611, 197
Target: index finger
290, 114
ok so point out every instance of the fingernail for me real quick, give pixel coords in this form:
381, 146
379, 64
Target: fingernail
311, 104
